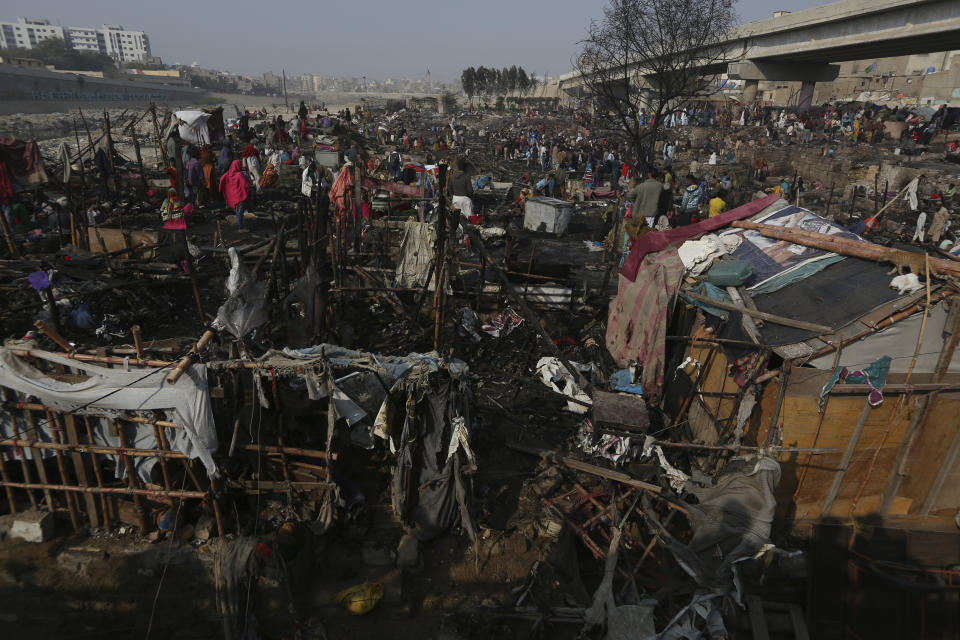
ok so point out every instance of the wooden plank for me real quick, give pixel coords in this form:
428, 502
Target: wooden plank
799, 622
847, 247
942, 473
758, 621
748, 324
919, 424
763, 315
778, 405
845, 461
80, 469
573, 463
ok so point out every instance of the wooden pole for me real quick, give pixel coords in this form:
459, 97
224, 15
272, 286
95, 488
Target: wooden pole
53, 335
7, 484
852, 442
190, 357
769, 317
829, 200
62, 468
137, 340
133, 481
38, 460
844, 246
80, 241
104, 505
110, 151
440, 272
119, 491
8, 236
80, 469
136, 149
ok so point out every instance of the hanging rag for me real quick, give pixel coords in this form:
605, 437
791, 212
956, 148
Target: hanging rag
874, 375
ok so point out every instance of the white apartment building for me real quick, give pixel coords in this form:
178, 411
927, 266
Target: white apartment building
26, 33
123, 45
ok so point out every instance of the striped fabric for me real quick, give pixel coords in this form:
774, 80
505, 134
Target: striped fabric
637, 322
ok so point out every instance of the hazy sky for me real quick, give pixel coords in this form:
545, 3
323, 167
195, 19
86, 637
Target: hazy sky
375, 38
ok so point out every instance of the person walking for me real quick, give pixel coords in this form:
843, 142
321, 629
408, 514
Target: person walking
235, 190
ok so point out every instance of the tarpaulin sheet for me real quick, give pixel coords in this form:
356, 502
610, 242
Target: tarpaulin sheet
200, 127
113, 392
659, 240
899, 341
778, 263
416, 255
834, 297
23, 161
637, 320
731, 523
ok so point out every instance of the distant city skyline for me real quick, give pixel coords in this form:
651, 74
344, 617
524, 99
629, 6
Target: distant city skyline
376, 39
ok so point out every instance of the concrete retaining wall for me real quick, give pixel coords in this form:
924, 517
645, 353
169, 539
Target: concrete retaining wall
24, 90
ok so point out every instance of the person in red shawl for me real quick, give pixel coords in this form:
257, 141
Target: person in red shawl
235, 190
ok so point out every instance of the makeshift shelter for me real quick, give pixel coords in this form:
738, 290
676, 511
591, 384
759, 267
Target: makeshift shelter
202, 126
23, 161
143, 423
811, 353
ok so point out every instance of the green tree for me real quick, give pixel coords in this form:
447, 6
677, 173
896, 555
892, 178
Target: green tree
468, 80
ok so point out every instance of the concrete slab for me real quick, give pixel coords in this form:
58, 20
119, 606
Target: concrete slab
32, 526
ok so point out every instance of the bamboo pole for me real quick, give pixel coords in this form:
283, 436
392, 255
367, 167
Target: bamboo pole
293, 451
137, 340
38, 460
769, 317
133, 481
163, 459
85, 357
137, 493
7, 484
23, 457
62, 467
107, 519
8, 236
190, 357
80, 469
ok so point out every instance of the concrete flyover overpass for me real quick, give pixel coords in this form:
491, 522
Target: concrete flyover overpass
801, 46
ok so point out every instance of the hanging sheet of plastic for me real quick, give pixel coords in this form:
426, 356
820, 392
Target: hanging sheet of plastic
243, 311
416, 255
428, 492
193, 126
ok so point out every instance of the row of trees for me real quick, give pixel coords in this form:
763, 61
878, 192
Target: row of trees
496, 82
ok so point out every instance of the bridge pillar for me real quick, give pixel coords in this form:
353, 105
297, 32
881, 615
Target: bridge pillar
750, 91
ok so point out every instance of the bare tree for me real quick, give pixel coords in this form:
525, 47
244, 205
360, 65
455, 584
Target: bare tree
653, 55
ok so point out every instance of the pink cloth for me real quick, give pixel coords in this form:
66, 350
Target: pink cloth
638, 317
234, 186
658, 240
